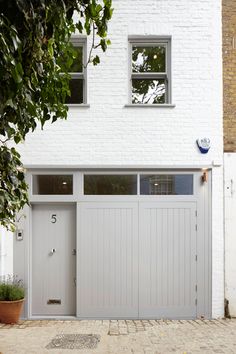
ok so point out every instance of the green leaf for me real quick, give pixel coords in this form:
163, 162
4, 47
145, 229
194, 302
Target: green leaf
10, 103
98, 8
17, 139
92, 8
50, 47
16, 75
19, 68
96, 60
79, 26
87, 26
103, 44
54, 118
16, 41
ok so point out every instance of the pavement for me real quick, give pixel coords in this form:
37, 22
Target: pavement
119, 336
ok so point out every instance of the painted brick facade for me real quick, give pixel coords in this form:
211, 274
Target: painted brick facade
229, 73
107, 133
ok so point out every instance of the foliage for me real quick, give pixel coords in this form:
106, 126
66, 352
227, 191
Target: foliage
11, 289
13, 188
34, 38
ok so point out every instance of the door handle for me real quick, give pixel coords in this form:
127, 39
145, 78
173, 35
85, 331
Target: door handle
53, 251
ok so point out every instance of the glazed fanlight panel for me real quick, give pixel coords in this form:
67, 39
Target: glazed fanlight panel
52, 184
110, 184
155, 184
166, 184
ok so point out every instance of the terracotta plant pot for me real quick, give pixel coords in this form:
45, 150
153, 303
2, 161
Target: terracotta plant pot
10, 311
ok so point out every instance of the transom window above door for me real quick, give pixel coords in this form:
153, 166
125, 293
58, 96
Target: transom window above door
150, 70
138, 184
52, 184
168, 184
110, 184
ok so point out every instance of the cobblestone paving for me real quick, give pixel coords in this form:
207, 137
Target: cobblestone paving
123, 336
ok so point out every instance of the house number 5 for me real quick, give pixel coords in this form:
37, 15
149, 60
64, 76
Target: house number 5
54, 218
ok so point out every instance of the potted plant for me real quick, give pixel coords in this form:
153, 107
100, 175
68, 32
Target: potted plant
12, 294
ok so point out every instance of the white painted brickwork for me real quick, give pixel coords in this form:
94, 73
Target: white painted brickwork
107, 133
6, 252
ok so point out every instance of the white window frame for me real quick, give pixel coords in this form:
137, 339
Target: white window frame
54, 197
151, 41
133, 197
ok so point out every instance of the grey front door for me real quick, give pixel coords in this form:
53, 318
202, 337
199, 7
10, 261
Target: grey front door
53, 260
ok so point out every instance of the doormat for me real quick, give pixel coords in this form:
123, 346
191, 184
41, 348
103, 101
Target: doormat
74, 341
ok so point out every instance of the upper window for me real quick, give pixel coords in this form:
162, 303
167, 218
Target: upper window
150, 70
78, 75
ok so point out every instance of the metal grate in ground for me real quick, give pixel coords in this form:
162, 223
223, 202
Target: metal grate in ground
74, 341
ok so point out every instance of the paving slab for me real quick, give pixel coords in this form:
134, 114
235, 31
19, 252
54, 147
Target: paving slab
119, 337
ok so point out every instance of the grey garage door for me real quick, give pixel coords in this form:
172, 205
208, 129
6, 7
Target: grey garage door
167, 260
136, 260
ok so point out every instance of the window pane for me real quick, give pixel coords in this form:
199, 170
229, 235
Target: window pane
148, 59
110, 184
77, 65
52, 184
166, 184
149, 91
76, 91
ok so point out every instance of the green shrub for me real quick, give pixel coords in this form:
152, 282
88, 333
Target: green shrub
11, 290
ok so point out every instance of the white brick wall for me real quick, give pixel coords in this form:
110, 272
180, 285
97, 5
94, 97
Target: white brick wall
108, 133
6, 252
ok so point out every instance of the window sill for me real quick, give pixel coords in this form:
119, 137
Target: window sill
80, 105
137, 105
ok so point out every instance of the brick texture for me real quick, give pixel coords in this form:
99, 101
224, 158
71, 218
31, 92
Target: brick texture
108, 133
229, 74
